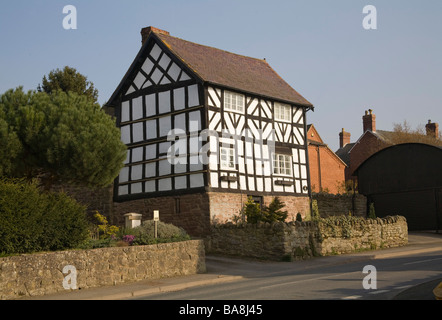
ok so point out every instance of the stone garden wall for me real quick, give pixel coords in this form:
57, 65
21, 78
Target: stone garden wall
300, 240
46, 273
341, 204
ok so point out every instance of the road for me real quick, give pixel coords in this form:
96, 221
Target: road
386, 279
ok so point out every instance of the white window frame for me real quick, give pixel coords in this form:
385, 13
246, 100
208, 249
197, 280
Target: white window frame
234, 101
229, 161
282, 164
283, 112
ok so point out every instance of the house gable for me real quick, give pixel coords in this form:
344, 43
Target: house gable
155, 67
158, 100
313, 135
171, 95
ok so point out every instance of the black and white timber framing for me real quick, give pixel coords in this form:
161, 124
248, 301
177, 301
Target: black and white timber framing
175, 124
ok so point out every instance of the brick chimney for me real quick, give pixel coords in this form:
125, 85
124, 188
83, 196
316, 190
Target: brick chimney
344, 138
432, 129
369, 121
146, 31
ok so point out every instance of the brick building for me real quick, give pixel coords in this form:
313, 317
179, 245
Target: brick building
205, 129
327, 170
373, 140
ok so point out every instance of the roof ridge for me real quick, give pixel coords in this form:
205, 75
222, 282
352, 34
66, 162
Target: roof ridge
211, 47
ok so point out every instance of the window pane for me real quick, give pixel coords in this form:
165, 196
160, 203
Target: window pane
233, 101
227, 158
282, 164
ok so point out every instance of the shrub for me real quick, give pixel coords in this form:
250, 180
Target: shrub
103, 228
145, 234
65, 224
33, 221
272, 213
315, 210
371, 211
252, 211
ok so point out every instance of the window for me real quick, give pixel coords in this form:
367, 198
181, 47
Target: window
282, 164
283, 112
227, 158
233, 101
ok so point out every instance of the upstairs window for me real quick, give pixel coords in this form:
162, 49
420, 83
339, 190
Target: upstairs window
227, 158
282, 164
283, 112
233, 101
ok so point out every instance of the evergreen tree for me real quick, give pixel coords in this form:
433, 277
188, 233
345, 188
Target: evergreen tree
61, 137
68, 80
252, 211
371, 211
273, 212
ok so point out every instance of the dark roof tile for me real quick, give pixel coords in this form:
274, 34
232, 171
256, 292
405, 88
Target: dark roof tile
233, 70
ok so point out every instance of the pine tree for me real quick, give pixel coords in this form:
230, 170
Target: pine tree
68, 80
371, 211
273, 212
61, 137
252, 211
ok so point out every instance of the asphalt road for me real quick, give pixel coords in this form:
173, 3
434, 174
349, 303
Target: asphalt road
405, 277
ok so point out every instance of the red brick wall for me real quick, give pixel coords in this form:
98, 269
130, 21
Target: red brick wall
367, 146
223, 206
327, 173
195, 213
192, 214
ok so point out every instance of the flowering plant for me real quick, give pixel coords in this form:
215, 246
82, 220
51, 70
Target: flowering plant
128, 238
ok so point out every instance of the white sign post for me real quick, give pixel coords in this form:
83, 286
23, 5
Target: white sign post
156, 218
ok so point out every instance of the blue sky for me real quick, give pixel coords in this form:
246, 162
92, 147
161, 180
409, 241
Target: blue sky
318, 46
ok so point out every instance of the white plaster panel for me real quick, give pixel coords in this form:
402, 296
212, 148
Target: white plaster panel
155, 52
136, 188
193, 96
165, 184
151, 109
165, 126
125, 115
137, 154
214, 179
150, 169
125, 134
138, 132
180, 182
151, 151
124, 175
137, 108
164, 102
123, 190
179, 99
149, 186
196, 180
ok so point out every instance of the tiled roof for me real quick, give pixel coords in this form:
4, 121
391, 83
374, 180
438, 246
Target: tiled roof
344, 153
232, 70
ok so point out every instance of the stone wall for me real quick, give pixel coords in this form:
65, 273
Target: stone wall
299, 240
40, 274
341, 204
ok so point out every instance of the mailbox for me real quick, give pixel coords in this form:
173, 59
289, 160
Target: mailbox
132, 220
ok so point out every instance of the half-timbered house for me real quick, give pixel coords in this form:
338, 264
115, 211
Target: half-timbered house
205, 129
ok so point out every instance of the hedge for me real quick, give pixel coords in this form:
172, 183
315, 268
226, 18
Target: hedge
33, 221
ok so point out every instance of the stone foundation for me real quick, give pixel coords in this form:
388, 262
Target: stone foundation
190, 211
193, 212
223, 206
